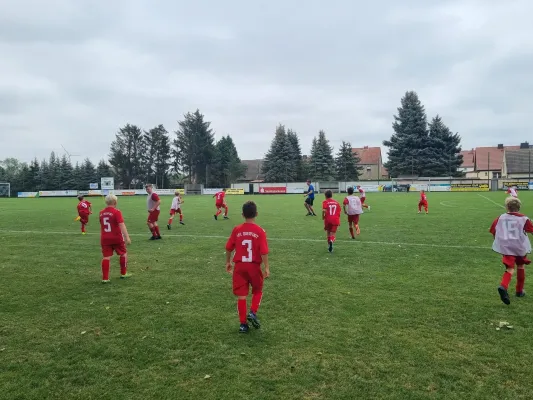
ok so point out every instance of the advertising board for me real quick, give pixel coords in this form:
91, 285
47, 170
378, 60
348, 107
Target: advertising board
272, 190
469, 187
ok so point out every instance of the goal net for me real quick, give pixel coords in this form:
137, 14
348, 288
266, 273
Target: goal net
5, 189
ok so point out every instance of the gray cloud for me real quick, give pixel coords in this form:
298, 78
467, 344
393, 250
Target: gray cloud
72, 73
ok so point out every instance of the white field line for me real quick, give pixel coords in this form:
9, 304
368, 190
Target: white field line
492, 201
379, 243
445, 204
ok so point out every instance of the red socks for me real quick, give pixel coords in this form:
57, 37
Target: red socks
256, 302
331, 239
219, 212
156, 231
105, 270
83, 227
520, 279
506, 279
226, 212
181, 217
241, 307
123, 265
351, 233
170, 221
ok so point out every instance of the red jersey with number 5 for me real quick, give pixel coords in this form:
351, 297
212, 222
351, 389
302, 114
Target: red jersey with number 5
110, 232
220, 197
332, 210
249, 242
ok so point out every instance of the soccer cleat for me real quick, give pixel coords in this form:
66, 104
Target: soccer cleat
244, 328
84, 233
314, 215
169, 227
504, 295
330, 248
153, 238
309, 215
181, 223
216, 217
126, 276
77, 218
106, 281
520, 294
368, 208
252, 318
158, 237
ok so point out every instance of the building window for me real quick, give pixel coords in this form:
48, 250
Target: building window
496, 175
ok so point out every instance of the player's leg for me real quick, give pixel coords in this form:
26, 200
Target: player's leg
225, 206
332, 236
311, 210
241, 290
356, 222
306, 205
419, 207
181, 216
84, 220
520, 280
256, 281
509, 263
156, 225
350, 226
151, 227
171, 218
107, 253
219, 211
426, 207
123, 254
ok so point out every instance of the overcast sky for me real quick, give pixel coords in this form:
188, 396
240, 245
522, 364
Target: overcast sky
73, 72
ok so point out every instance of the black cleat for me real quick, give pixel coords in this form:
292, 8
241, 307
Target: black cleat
158, 237
309, 215
225, 217
504, 295
521, 294
314, 215
216, 217
244, 328
330, 247
181, 223
153, 238
252, 318
169, 227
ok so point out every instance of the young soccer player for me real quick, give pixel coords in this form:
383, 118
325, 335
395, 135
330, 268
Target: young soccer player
353, 209
113, 237
362, 196
423, 202
84, 210
153, 203
249, 243
512, 191
309, 199
510, 240
220, 203
331, 214
175, 208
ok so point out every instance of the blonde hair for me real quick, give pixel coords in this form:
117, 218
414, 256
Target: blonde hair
111, 199
513, 204
176, 193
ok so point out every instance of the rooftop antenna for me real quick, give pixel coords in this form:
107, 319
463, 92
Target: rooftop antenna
69, 155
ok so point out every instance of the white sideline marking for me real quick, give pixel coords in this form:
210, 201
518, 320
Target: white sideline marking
443, 246
445, 204
492, 201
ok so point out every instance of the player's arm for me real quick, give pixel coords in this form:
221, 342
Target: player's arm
492, 229
230, 247
125, 233
344, 204
528, 227
264, 260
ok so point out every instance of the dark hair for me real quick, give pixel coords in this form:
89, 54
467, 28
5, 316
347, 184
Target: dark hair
350, 190
329, 194
80, 197
249, 210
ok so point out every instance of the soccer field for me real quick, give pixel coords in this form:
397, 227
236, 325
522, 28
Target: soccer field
408, 310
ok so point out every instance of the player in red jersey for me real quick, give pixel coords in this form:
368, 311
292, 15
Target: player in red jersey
423, 202
353, 209
113, 237
249, 242
175, 208
362, 196
152, 203
331, 214
84, 210
220, 203
510, 240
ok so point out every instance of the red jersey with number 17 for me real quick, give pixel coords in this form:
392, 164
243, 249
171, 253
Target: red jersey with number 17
83, 207
332, 210
220, 197
110, 232
249, 242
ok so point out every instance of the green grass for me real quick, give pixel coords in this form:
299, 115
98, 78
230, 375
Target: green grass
407, 311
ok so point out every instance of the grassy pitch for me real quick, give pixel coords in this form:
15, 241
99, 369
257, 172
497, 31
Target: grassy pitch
409, 310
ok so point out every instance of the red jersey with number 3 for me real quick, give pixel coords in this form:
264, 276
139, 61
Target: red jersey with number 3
83, 207
110, 232
332, 210
249, 242
220, 197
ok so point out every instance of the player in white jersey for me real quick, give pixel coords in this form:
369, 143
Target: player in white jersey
175, 208
512, 191
362, 196
353, 208
152, 204
510, 240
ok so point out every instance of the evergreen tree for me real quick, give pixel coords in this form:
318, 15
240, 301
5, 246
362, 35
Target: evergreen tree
322, 161
227, 165
158, 144
278, 165
408, 146
295, 156
445, 149
77, 178
44, 173
194, 147
346, 163
87, 174
35, 172
103, 170
66, 174
54, 181
125, 155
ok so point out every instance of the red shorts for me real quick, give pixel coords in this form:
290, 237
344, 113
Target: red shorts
328, 227
511, 261
220, 205
423, 203
109, 249
353, 218
174, 212
363, 199
246, 275
153, 216
84, 218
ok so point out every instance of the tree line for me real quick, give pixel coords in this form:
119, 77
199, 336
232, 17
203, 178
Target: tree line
284, 161
137, 157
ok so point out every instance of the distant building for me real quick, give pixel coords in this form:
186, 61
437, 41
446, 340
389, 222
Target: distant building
254, 173
488, 162
372, 163
518, 163
469, 161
